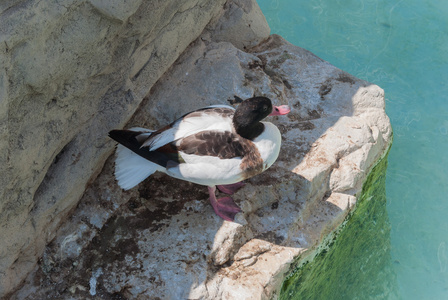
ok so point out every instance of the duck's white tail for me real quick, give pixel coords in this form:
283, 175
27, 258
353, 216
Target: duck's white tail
131, 168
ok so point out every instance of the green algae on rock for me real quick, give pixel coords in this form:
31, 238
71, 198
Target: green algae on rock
359, 253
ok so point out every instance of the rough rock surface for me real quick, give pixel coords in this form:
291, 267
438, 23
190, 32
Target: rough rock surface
71, 71
161, 239
243, 24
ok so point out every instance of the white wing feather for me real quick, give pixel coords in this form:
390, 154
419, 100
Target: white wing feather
191, 125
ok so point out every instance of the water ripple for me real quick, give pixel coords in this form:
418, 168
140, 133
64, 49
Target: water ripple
441, 256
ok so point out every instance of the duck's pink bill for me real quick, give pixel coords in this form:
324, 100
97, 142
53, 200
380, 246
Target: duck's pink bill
280, 110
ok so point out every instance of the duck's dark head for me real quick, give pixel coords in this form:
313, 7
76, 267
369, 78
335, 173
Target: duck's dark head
250, 112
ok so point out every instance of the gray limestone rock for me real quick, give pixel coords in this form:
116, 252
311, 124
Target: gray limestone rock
71, 71
243, 24
162, 240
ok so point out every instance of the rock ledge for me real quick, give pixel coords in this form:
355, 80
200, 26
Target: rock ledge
161, 239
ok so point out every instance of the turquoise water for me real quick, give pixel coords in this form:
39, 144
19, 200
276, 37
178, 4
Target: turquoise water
356, 264
403, 47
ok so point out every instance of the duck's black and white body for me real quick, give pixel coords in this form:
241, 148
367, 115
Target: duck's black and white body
212, 146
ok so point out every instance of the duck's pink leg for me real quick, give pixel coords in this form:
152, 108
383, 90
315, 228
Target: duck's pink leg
223, 207
230, 189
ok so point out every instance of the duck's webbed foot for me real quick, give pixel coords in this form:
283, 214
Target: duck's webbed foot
223, 207
230, 189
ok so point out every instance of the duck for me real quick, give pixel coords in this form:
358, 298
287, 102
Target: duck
217, 146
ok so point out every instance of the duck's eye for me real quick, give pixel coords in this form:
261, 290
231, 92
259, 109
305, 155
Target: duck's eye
265, 108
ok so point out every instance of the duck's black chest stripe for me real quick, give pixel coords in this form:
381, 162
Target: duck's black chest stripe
225, 145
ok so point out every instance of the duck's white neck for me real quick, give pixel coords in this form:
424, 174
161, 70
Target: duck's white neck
268, 144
